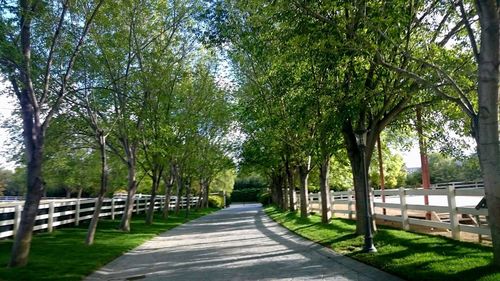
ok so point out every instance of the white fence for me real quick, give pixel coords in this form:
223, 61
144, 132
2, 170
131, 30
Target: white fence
451, 208
56, 212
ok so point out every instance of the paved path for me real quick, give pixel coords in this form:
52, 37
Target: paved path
238, 243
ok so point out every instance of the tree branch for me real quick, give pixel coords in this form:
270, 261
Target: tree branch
62, 92
470, 32
430, 85
57, 33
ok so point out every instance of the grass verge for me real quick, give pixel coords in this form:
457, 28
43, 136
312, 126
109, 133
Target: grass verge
411, 256
62, 254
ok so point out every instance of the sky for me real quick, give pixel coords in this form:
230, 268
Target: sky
411, 158
7, 105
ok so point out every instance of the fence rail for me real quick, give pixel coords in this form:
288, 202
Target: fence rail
452, 208
56, 212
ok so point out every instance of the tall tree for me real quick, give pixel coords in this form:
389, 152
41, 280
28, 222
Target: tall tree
487, 123
441, 75
30, 69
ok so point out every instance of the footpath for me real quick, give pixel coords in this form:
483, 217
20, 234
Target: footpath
237, 243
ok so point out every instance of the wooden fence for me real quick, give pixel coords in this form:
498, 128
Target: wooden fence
56, 212
451, 208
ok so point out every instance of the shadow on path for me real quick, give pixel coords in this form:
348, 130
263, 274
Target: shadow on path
238, 243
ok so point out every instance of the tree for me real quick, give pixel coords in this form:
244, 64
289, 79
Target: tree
128, 36
443, 78
394, 170
5, 177
69, 162
487, 122
29, 68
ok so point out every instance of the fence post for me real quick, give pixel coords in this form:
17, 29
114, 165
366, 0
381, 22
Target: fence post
349, 203
320, 206
332, 203
452, 204
50, 222
404, 208
113, 208
17, 218
296, 200
308, 202
137, 204
77, 212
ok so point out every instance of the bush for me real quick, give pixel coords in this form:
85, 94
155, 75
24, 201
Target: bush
252, 182
245, 195
265, 198
313, 188
215, 201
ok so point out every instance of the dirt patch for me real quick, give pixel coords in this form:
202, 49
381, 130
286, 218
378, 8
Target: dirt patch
464, 236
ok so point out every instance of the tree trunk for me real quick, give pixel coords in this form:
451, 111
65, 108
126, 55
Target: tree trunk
284, 195
325, 189
33, 136
131, 190
381, 171
178, 190
22, 241
168, 193
274, 196
188, 197
68, 192
33, 127
89, 240
291, 187
79, 193
277, 189
355, 159
280, 189
424, 161
207, 189
304, 192
157, 171
169, 183
487, 123
199, 204
151, 207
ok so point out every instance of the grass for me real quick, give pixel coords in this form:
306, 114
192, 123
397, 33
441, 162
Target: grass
412, 256
62, 254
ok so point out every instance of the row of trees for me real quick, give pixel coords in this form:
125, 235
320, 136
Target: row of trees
313, 75
110, 91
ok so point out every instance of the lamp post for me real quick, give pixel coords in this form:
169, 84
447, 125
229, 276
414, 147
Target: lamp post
361, 142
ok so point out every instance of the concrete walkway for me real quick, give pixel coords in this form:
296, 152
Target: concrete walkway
238, 243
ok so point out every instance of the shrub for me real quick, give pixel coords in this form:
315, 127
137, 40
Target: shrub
245, 195
265, 198
313, 188
250, 182
215, 201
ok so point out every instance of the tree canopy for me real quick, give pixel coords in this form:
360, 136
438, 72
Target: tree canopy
127, 95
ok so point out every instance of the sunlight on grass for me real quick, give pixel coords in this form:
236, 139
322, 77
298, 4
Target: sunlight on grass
62, 254
411, 256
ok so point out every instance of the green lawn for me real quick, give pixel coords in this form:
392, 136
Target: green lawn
411, 256
62, 254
